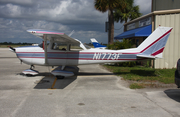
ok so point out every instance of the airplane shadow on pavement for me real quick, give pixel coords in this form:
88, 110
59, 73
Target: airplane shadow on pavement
173, 94
50, 82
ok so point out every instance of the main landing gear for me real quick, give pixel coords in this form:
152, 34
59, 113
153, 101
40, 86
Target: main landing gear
59, 72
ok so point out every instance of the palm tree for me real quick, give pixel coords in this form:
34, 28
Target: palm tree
109, 5
129, 12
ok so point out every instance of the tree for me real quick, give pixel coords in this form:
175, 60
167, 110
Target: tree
129, 12
109, 5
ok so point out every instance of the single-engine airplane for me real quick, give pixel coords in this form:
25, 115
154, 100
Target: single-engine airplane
59, 51
96, 44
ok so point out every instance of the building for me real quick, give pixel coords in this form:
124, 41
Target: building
166, 14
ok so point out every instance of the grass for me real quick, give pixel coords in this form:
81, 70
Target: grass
6, 46
143, 74
136, 86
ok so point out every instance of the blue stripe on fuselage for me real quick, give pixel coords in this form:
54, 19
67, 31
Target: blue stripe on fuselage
93, 56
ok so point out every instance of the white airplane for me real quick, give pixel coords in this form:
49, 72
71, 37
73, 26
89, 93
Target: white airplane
59, 52
96, 44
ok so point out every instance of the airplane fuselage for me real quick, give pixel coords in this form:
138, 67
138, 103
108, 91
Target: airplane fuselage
35, 55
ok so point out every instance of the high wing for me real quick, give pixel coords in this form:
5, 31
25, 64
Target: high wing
53, 36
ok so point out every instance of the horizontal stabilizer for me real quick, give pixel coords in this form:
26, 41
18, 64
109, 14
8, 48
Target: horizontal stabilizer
146, 56
150, 56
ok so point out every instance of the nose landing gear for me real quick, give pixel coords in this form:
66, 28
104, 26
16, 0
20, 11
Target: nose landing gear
32, 66
30, 72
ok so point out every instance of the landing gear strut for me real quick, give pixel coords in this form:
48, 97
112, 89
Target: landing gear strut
32, 66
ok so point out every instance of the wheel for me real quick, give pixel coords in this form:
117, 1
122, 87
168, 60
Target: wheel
178, 67
29, 75
60, 77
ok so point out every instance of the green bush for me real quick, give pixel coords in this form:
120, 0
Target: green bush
126, 43
126, 64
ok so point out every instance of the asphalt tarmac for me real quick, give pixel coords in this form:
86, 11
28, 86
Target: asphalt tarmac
93, 92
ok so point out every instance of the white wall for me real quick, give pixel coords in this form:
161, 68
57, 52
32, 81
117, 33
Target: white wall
172, 49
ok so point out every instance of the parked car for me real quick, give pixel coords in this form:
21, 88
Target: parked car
177, 74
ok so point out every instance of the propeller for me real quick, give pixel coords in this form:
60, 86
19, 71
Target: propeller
12, 49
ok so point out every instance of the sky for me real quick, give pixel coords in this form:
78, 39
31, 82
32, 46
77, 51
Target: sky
17, 16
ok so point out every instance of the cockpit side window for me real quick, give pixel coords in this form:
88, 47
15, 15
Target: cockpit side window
75, 48
59, 46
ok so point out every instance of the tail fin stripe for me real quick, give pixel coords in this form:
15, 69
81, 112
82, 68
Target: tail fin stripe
158, 52
156, 40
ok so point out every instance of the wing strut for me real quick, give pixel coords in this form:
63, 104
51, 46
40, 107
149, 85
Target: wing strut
45, 48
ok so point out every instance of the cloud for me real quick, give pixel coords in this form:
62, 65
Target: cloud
144, 6
17, 16
65, 12
18, 2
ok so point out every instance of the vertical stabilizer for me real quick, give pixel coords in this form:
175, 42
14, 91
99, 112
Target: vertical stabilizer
96, 44
155, 43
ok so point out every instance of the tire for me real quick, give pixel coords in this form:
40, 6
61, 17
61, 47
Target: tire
29, 75
60, 77
178, 67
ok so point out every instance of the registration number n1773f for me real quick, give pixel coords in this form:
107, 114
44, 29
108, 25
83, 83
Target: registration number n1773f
106, 56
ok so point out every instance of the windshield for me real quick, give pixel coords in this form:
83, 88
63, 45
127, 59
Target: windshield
86, 46
41, 44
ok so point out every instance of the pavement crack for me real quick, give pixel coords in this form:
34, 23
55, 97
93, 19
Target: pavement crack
19, 106
146, 96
